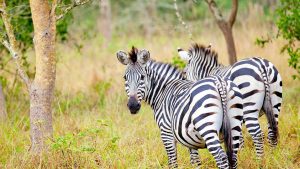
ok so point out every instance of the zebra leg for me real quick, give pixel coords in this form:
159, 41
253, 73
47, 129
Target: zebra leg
170, 146
276, 106
254, 130
271, 138
194, 157
276, 97
274, 81
214, 147
237, 137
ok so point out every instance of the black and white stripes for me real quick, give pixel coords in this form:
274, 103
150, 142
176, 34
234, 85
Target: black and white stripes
259, 82
193, 114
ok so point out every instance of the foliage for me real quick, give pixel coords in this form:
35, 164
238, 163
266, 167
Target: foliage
288, 23
74, 141
20, 14
178, 62
289, 26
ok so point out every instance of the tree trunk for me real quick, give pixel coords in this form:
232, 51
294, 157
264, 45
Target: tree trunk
42, 88
3, 113
149, 12
105, 20
227, 32
226, 26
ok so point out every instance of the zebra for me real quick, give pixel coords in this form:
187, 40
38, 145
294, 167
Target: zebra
186, 112
258, 80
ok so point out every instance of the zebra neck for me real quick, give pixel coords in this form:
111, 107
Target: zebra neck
160, 77
218, 66
220, 70
206, 70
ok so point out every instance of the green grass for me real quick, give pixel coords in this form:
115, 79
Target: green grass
108, 136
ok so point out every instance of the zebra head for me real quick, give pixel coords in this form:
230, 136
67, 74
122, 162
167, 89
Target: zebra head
200, 61
135, 76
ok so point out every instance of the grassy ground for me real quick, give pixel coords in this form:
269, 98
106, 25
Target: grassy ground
94, 129
87, 136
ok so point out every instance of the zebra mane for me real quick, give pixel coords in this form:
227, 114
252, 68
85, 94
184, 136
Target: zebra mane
168, 65
133, 54
203, 51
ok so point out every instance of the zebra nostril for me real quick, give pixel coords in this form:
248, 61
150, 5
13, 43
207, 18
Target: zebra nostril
133, 105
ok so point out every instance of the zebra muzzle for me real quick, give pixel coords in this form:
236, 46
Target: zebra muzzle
133, 105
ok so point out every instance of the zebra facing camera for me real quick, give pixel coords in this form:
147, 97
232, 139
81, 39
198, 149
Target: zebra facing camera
133, 105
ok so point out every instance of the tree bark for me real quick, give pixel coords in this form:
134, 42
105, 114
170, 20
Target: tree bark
227, 32
105, 20
226, 26
42, 88
3, 113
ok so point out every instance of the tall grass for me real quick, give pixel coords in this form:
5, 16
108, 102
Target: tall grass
94, 129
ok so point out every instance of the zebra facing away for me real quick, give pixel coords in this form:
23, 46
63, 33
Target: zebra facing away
190, 113
258, 80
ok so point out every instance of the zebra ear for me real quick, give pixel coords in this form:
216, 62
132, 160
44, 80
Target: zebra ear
122, 57
184, 55
143, 56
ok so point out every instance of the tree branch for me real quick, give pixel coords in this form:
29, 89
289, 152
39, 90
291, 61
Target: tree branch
217, 15
53, 8
69, 8
11, 45
214, 10
179, 17
15, 57
234, 9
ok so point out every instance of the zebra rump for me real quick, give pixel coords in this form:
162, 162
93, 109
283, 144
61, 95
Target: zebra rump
257, 78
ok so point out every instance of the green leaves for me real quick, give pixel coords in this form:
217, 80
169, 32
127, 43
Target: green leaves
294, 60
288, 19
84, 140
20, 15
288, 23
77, 142
178, 62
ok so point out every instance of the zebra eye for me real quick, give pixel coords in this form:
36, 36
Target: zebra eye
124, 77
142, 77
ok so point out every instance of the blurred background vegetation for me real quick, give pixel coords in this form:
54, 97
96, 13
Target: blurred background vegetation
92, 126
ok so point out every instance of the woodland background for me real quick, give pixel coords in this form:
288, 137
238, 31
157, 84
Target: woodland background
92, 127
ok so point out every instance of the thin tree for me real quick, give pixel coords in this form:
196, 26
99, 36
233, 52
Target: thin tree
147, 10
3, 113
105, 24
226, 26
41, 88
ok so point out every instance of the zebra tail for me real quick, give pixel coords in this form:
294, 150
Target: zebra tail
226, 127
270, 114
228, 138
268, 108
